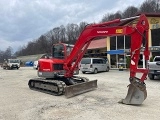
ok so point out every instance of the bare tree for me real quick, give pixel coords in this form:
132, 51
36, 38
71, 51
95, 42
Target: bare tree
19, 52
150, 6
62, 34
56, 34
1, 56
42, 45
130, 11
72, 32
82, 26
50, 37
118, 15
107, 17
112, 16
8, 53
31, 47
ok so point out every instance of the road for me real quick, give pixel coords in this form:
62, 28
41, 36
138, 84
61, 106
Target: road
18, 102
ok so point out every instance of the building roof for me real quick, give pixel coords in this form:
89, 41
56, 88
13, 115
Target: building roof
100, 43
147, 15
150, 14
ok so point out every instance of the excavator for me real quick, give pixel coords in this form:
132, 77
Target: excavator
57, 75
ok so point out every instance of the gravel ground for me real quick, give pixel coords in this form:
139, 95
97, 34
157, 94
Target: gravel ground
18, 102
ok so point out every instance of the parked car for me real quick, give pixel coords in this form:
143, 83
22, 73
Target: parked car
11, 64
35, 65
94, 65
154, 68
29, 64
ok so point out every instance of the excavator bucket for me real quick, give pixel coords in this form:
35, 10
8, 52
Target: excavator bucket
136, 95
80, 88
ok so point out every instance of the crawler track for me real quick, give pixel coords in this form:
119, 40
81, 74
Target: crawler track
53, 87
60, 85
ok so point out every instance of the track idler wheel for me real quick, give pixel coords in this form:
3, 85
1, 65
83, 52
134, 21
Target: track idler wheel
136, 93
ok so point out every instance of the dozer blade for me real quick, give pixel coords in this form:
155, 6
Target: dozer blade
80, 88
135, 95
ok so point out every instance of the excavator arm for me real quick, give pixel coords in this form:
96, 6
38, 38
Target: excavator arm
139, 39
137, 32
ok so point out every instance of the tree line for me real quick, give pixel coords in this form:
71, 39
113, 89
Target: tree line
43, 44
70, 32
6, 54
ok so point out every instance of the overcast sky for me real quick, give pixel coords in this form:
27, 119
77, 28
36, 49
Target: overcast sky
25, 20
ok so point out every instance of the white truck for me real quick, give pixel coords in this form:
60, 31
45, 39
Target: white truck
154, 68
35, 65
11, 64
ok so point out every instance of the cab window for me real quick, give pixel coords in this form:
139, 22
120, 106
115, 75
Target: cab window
58, 51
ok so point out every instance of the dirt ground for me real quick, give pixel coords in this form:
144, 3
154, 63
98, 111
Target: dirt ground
18, 102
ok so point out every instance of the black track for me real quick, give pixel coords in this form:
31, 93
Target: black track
41, 84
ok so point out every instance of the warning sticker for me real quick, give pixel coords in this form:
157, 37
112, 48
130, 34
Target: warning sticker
119, 30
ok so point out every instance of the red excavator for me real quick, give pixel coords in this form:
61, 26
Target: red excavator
57, 73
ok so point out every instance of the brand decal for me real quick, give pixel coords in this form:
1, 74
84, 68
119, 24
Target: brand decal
102, 31
46, 69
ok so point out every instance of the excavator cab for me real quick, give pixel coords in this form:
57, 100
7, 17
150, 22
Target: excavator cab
59, 51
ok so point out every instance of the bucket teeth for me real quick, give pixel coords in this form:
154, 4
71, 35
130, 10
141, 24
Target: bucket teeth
136, 93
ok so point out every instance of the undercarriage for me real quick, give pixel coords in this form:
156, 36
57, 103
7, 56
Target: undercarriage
59, 86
